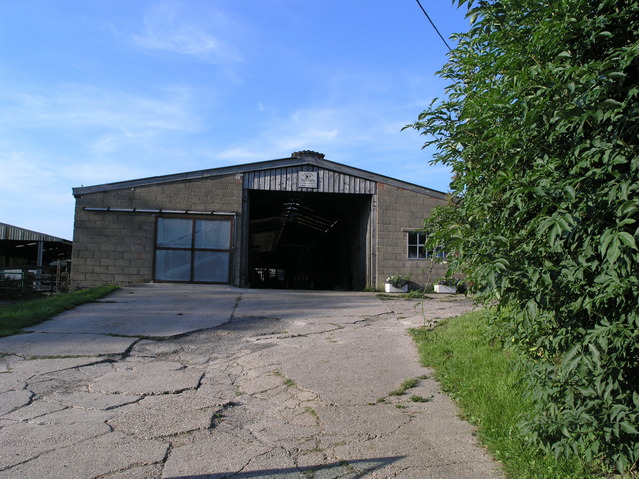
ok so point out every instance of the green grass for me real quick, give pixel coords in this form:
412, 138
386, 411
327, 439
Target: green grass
15, 317
482, 380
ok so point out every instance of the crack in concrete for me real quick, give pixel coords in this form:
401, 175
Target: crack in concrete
311, 428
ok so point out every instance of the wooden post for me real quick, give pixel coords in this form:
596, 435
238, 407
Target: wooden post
25, 282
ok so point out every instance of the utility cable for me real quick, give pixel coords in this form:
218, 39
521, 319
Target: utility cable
433, 24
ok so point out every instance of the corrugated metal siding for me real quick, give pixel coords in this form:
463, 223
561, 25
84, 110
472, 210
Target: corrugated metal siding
286, 179
13, 233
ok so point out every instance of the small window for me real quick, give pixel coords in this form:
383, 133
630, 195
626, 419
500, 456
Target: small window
417, 248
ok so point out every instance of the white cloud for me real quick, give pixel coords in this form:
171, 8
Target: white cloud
19, 174
97, 172
167, 28
278, 137
357, 135
51, 141
84, 105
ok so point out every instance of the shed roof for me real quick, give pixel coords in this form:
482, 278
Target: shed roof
297, 159
15, 233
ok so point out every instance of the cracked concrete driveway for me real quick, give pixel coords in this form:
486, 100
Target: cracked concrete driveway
195, 381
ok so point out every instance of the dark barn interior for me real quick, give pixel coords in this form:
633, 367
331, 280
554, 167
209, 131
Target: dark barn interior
25, 253
20, 248
308, 240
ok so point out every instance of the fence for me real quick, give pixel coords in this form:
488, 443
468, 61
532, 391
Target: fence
26, 283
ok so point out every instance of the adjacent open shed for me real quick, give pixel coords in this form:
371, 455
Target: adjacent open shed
32, 263
21, 248
300, 222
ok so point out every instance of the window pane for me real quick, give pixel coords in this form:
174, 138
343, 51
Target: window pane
211, 266
416, 242
171, 265
174, 232
214, 234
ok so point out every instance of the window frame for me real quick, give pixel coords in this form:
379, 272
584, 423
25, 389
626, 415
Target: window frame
419, 243
193, 249
415, 249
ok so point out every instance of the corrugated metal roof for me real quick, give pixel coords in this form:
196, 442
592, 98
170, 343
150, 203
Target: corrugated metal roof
14, 233
261, 166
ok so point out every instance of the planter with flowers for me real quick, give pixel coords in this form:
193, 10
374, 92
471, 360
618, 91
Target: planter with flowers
446, 285
396, 283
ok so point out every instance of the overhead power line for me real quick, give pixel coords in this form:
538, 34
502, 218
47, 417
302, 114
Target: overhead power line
433, 24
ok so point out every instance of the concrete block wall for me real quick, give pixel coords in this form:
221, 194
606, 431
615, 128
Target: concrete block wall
398, 212
114, 247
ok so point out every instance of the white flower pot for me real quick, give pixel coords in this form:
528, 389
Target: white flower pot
442, 288
389, 288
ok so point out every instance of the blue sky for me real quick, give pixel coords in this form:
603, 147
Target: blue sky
96, 91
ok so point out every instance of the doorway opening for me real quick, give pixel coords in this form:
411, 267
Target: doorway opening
308, 240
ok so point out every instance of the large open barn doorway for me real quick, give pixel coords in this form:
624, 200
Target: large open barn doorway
308, 240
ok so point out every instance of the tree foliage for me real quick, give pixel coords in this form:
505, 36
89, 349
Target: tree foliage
540, 127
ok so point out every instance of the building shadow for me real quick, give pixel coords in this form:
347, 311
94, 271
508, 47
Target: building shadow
353, 469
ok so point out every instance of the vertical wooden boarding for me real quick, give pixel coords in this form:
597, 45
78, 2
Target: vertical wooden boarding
291, 179
281, 183
287, 179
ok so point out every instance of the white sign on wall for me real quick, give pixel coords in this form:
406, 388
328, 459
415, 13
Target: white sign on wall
307, 179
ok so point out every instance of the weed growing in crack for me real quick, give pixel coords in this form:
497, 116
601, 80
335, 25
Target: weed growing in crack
287, 381
405, 386
416, 398
310, 451
216, 419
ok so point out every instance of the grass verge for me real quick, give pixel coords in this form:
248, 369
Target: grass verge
482, 380
15, 317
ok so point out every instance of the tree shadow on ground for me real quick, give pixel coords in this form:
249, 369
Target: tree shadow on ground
337, 470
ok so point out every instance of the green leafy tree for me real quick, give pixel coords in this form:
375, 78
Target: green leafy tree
540, 127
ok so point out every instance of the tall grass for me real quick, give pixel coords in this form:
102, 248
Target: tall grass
15, 317
482, 379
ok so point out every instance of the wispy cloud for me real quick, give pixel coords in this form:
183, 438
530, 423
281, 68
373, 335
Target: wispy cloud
19, 174
79, 105
51, 141
326, 128
167, 28
319, 128
356, 135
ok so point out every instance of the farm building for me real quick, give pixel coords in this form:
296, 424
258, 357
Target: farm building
21, 248
301, 222
32, 262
